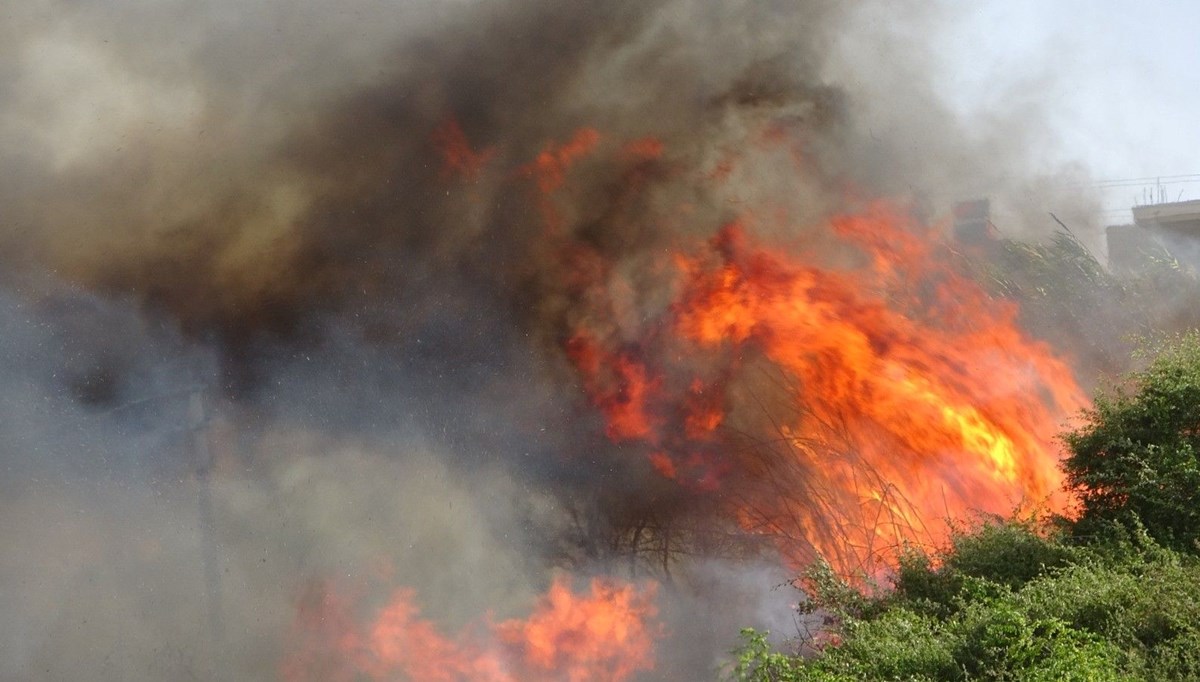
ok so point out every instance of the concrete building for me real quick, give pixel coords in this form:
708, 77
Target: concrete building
1169, 231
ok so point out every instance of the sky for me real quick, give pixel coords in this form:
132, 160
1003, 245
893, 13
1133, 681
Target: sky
1122, 80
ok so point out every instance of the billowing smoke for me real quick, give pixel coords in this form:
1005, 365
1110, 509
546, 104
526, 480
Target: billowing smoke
285, 304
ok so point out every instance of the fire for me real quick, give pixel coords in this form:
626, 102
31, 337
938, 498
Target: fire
551, 165
844, 407
601, 637
549, 172
909, 406
605, 635
622, 398
459, 159
845, 411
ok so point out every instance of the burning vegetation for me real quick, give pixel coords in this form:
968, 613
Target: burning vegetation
844, 409
569, 330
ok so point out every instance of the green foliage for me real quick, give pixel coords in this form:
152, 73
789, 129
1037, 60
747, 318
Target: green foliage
1176, 659
1147, 606
1010, 553
756, 662
1135, 459
1009, 601
897, 644
1000, 640
979, 562
828, 593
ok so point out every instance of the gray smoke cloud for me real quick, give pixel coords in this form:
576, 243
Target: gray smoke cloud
247, 201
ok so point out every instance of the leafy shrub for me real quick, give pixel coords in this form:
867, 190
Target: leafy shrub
1135, 458
899, 644
994, 554
999, 640
754, 661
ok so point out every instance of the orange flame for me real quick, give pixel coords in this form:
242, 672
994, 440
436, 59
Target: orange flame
458, 158
843, 411
910, 405
910, 396
618, 385
604, 636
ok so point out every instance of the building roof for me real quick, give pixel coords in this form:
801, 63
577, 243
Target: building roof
1182, 214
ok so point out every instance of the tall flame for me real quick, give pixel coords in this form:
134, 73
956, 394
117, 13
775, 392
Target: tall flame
914, 396
845, 411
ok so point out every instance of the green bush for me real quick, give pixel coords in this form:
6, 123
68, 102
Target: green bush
898, 644
1147, 606
754, 661
994, 554
1000, 640
1135, 458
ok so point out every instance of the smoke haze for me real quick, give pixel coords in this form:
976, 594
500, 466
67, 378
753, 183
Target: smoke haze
306, 232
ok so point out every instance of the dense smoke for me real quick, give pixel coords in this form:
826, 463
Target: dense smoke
310, 234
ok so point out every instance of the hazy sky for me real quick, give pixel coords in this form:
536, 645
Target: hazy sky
1122, 79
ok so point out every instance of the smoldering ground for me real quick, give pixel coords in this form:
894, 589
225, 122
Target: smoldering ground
250, 201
